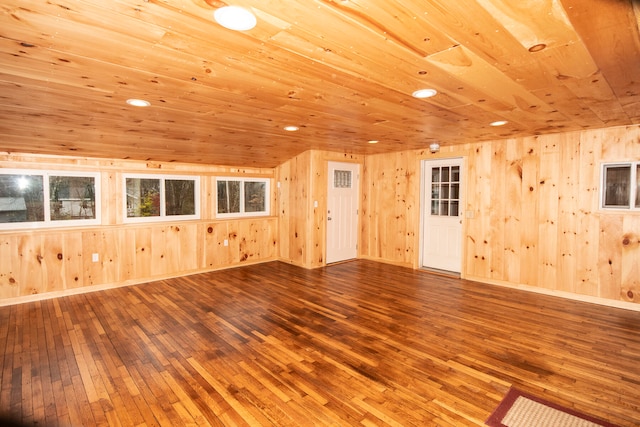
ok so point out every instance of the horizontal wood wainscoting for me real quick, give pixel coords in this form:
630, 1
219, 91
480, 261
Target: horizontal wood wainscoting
359, 343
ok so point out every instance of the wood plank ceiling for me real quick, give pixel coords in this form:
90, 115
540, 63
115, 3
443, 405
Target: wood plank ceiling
343, 71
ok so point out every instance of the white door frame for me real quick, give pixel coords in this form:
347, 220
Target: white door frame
424, 207
344, 219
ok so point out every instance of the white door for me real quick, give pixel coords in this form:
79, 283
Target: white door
342, 211
441, 215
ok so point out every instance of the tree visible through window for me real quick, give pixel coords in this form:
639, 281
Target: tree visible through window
151, 198
242, 197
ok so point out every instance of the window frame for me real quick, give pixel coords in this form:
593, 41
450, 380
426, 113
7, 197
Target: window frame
48, 222
162, 217
633, 187
242, 213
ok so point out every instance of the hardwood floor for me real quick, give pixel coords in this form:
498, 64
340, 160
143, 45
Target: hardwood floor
359, 343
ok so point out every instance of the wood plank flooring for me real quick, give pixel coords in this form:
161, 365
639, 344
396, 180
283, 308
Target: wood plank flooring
359, 343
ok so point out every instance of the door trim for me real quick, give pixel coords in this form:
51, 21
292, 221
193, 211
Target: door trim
355, 168
423, 207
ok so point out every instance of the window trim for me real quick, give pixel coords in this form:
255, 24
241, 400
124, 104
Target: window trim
242, 214
633, 187
163, 217
48, 222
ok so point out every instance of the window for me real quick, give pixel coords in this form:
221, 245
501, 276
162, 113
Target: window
620, 186
445, 190
161, 198
43, 199
242, 197
341, 179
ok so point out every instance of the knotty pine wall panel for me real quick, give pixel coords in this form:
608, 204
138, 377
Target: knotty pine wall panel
532, 213
294, 177
302, 225
390, 208
58, 260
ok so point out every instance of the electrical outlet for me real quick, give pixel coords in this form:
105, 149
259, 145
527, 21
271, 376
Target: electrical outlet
226, 242
95, 257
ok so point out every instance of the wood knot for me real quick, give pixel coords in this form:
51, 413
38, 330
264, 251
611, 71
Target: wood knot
626, 241
210, 230
60, 257
630, 294
12, 280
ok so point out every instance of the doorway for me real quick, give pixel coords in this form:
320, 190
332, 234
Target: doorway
441, 214
342, 211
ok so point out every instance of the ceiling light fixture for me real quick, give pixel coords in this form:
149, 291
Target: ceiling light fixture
373, 141
291, 128
138, 102
434, 147
424, 93
235, 18
537, 47
499, 123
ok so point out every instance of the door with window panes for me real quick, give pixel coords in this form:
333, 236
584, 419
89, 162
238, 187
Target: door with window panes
441, 215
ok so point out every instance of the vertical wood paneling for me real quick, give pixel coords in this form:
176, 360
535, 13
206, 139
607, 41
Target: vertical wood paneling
318, 214
391, 202
9, 285
302, 225
588, 231
513, 215
630, 271
295, 182
215, 254
529, 215
610, 256
548, 215
568, 205
38, 261
499, 206
30, 257
108, 267
479, 229
532, 213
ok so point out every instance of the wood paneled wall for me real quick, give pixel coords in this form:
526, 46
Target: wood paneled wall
534, 207
59, 260
302, 226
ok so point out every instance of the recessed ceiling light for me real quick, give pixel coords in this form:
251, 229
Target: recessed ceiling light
138, 102
424, 93
291, 128
373, 141
235, 18
499, 123
537, 47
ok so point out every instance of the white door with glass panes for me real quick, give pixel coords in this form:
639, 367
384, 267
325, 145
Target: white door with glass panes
342, 211
441, 215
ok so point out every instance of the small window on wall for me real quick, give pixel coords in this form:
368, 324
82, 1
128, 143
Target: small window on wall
620, 186
161, 198
238, 197
445, 191
48, 199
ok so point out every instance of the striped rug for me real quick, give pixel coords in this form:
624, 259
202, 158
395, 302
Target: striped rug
519, 409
